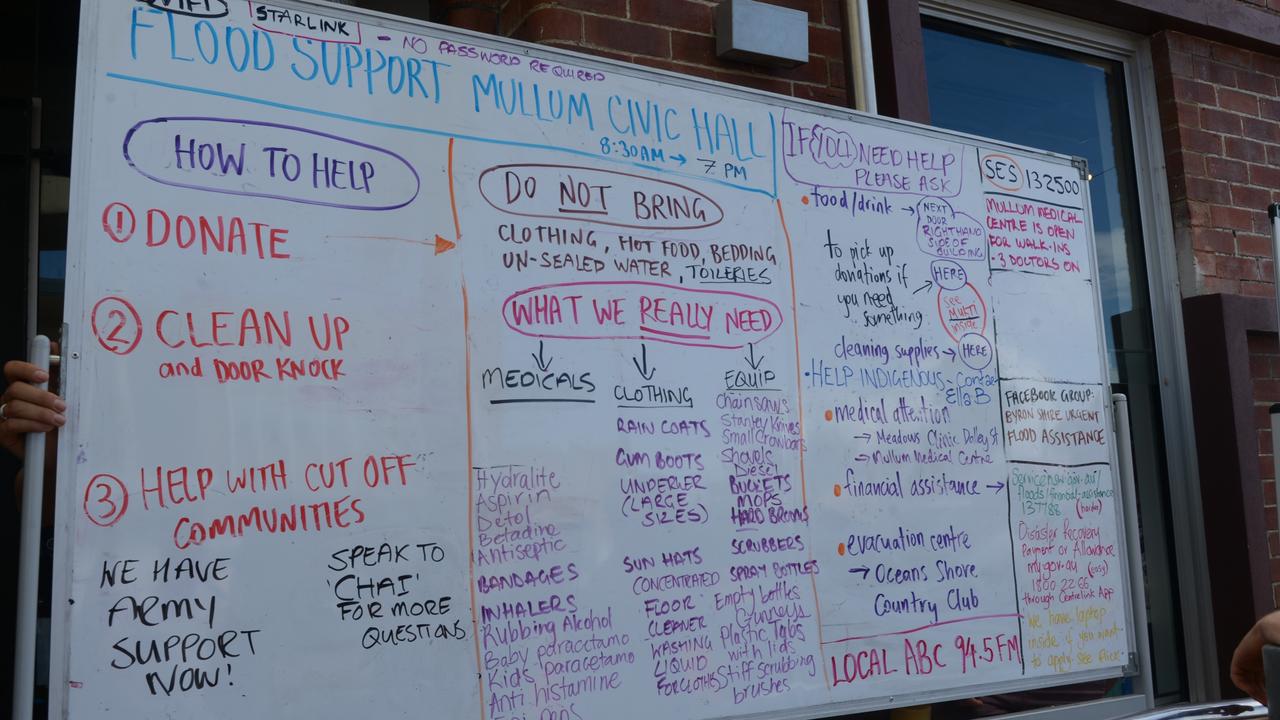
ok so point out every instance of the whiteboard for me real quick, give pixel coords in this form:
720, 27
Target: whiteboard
413, 369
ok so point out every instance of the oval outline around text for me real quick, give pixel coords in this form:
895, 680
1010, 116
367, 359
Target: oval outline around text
128, 136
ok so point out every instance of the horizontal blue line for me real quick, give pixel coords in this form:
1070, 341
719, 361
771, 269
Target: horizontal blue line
421, 130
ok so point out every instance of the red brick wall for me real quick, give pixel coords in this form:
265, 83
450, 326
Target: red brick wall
1220, 117
678, 35
1264, 369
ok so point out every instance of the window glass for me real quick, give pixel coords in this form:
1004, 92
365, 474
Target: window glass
1051, 98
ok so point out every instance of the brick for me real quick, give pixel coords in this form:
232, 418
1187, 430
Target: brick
1226, 286
1194, 91
832, 13
1240, 268
1250, 197
693, 48
1260, 343
1206, 262
1197, 213
1256, 82
615, 8
1261, 223
1238, 101
1273, 154
1269, 109
758, 82
1200, 141
1256, 288
1264, 130
549, 23
682, 14
1188, 163
1207, 190
1230, 217
1186, 115
1230, 55
1267, 64
510, 17
1220, 121
1261, 416
1273, 544
835, 75
1244, 149
1191, 44
813, 72
1269, 492
1260, 368
826, 42
1218, 74
1226, 169
626, 36
1213, 240
1265, 175
598, 52
1266, 389
1251, 244
1181, 64
683, 68
828, 95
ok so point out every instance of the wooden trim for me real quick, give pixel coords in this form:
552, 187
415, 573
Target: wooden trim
897, 48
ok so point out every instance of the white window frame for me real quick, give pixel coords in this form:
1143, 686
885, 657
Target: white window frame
1134, 53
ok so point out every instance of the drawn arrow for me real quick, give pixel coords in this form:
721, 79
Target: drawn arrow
443, 245
863, 436
862, 457
544, 364
864, 570
996, 486
909, 210
951, 352
927, 284
642, 365
680, 158
752, 360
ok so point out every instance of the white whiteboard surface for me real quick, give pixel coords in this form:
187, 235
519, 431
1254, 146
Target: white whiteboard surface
413, 371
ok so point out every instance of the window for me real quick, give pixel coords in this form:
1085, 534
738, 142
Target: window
1059, 94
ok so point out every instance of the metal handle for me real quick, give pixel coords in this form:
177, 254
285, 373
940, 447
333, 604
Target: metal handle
24, 652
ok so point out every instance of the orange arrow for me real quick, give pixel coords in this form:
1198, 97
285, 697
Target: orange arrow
443, 245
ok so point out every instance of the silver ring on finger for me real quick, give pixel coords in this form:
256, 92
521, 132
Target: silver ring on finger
3, 417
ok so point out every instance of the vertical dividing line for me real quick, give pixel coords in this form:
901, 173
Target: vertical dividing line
1008, 492
773, 145
804, 492
1004, 443
453, 202
471, 479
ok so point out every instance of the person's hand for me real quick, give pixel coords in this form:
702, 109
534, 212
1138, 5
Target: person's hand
26, 408
1246, 663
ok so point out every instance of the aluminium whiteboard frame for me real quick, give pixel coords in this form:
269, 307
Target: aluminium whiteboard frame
79, 223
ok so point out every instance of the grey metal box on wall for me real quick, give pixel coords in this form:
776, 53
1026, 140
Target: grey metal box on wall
762, 34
